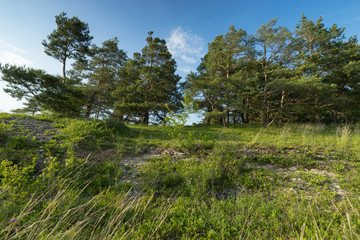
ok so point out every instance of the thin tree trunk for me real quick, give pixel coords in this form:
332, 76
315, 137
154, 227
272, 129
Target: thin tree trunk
317, 117
242, 117
164, 119
98, 109
246, 115
227, 118
334, 118
145, 119
266, 107
208, 120
64, 71
90, 105
281, 106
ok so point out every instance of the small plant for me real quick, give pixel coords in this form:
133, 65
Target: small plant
17, 181
318, 180
89, 134
177, 121
339, 167
344, 134
4, 130
176, 126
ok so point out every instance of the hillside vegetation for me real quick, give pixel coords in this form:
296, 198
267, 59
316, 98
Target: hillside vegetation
273, 76
86, 179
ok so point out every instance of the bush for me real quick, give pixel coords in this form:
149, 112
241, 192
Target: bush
89, 134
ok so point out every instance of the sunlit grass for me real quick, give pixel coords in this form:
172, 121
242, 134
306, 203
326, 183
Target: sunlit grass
244, 182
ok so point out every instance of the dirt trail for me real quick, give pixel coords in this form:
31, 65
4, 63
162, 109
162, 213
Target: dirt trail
41, 130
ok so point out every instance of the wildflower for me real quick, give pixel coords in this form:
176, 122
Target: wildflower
260, 219
249, 223
13, 220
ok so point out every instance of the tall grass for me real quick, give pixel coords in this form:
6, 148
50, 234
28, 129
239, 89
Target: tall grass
69, 212
128, 216
242, 182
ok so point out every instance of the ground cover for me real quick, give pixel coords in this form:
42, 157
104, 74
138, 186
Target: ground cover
76, 179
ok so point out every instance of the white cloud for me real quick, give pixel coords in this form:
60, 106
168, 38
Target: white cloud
13, 58
7, 103
6, 45
185, 69
12, 54
188, 59
187, 49
183, 43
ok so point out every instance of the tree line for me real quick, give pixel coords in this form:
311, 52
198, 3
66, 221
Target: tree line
309, 75
272, 76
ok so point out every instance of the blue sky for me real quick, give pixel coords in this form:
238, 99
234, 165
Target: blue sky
188, 26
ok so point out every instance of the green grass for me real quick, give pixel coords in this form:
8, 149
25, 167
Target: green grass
104, 180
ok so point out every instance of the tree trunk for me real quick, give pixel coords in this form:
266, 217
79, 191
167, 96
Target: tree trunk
281, 106
98, 110
207, 121
145, 119
317, 117
64, 71
246, 115
208, 118
227, 119
90, 105
265, 107
164, 119
88, 110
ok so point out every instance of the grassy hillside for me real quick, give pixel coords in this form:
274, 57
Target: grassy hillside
76, 179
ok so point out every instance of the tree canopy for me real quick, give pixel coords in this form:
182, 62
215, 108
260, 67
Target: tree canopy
272, 76
70, 40
148, 84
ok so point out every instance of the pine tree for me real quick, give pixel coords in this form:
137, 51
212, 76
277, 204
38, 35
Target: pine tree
70, 40
330, 62
148, 84
101, 75
273, 43
215, 82
41, 90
